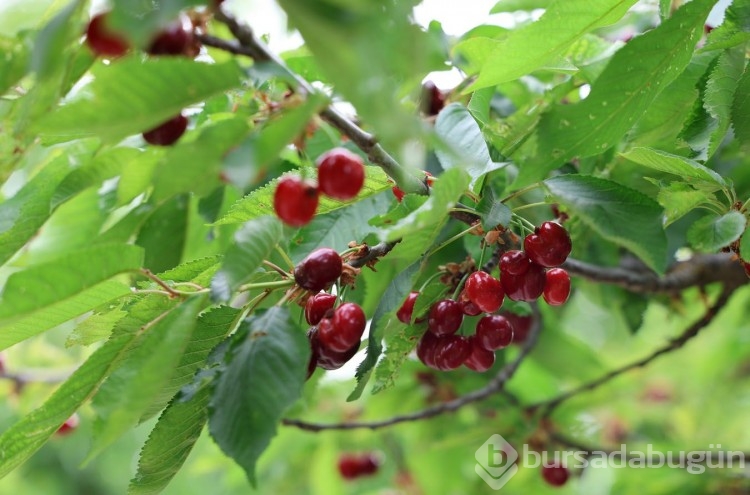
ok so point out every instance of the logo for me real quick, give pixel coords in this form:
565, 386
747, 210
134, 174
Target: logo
496, 462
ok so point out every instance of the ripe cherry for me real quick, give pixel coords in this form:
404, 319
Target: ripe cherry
445, 317
317, 306
549, 245
514, 263
341, 173
353, 466
494, 332
406, 310
167, 133
326, 358
102, 40
295, 200
433, 100
485, 291
318, 270
451, 351
426, 349
557, 287
175, 39
345, 328
555, 475
69, 426
521, 326
526, 287
469, 308
480, 359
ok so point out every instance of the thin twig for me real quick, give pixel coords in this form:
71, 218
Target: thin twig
148, 273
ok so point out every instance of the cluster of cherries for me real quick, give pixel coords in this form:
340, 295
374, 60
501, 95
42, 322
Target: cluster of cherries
336, 331
341, 175
176, 39
524, 276
352, 466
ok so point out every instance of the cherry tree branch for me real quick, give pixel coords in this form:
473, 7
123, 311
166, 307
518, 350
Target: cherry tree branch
495, 386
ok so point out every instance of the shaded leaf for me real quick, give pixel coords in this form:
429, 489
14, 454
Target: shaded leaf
715, 232
690, 170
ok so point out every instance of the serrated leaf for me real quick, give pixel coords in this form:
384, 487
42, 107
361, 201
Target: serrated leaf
712, 233
734, 30
445, 193
493, 212
399, 345
44, 284
265, 373
516, 5
619, 214
252, 244
192, 270
163, 235
690, 170
134, 95
720, 90
96, 327
466, 146
678, 199
150, 363
260, 201
531, 46
400, 209
741, 109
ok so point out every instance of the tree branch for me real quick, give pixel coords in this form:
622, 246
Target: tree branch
495, 386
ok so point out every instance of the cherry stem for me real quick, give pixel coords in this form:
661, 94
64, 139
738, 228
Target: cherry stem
429, 280
460, 286
524, 190
530, 205
277, 284
170, 291
745, 205
277, 268
285, 257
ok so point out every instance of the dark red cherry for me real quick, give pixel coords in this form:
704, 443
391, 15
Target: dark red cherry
317, 306
175, 39
433, 100
167, 133
345, 329
352, 466
445, 317
326, 358
555, 475
295, 200
549, 245
318, 270
480, 359
514, 263
406, 310
341, 174
485, 291
526, 287
102, 40
426, 349
469, 308
557, 287
451, 351
494, 332
521, 326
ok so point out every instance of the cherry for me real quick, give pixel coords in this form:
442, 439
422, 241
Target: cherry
353, 466
69, 426
318, 270
317, 306
341, 173
557, 287
555, 475
426, 349
167, 133
295, 200
102, 40
494, 332
450, 351
549, 245
514, 263
326, 358
445, 317
406, 310
521, 326
485, 291
526, 287
344, 330
433, 100
480, 359
469, 308
176, 39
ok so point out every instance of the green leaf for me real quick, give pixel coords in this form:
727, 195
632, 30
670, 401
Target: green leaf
635, 76
445, 194
741, 109
531, 46
400, 343
44, 284
493, 212
516, 5
134, 95
264, 377
193, 271
96, 327
260, 201
163, 234
712, 233
691, 171
466, 147
150, 363
745, 247
735, 29
14, 62
140, 20
720, 90
678, 199
49, 57
619, 214
252, 244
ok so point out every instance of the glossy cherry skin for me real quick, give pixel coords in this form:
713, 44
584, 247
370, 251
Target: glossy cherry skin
341, 174
549, 245
102, 40
317, 306
167, 133
469, 308
326, 358
514, 262
445, 317
480, 359
557, 287
318, 270
295, 200
175, 39
485, 291
345, 329
526, 287
555, 475
494, 332
451, 351
406, 310
426, 349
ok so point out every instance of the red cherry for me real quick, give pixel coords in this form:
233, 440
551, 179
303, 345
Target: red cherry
445, 317
557, 287
514, 263
167, 133
555, 475
485, 291
295, 200
341, 174
345, 330
469, 308
176, 39
398, 193
426, 349
433, 100
317, 306
318, 270
521, 326
451, 351
526, 287
69, 426
406, 310
549, 245
102, 40
353, 466
326, 358
480, 359
494, 332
